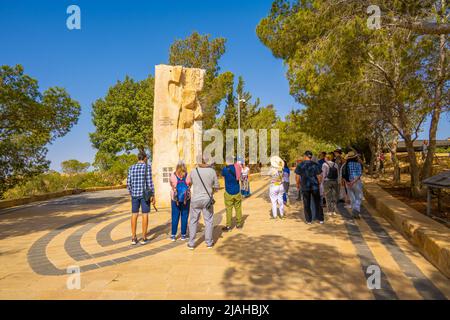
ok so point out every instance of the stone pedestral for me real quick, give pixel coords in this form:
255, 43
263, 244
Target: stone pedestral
177, 124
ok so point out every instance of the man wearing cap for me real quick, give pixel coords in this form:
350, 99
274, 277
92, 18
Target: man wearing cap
308, 175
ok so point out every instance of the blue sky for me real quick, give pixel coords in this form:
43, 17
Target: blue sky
119, 38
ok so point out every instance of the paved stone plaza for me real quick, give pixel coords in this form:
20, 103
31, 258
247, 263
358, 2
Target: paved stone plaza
267, 259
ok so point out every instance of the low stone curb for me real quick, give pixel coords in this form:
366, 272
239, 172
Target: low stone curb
430, 238
42, 197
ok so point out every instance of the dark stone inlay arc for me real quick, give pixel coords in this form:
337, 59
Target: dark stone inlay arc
366, 257
45, 267
72, 244
37, 256
423, 285
104, 238
104, 235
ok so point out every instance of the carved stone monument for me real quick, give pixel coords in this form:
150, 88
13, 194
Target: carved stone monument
177, 124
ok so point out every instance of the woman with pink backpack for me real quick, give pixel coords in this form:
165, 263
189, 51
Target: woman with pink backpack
181, 196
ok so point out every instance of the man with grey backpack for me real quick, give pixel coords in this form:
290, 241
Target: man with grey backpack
204, 184
330, 175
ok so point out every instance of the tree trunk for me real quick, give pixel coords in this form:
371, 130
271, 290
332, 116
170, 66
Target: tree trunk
436, 113
373, 157
414, 168
395, 162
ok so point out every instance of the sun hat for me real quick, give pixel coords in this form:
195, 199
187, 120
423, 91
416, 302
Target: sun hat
276, 162
351, 155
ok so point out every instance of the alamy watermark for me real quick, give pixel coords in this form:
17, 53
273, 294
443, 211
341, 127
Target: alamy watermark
73, 21
249, 145
374, 278
74, 279
374, 20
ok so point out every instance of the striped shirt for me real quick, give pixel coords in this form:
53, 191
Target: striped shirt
136, 179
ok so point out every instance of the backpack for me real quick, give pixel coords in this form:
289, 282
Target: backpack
332, 172
182, 189
345, 172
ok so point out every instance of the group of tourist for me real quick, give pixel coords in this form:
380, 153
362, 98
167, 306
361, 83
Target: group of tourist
328, 180
324, 181
187, 206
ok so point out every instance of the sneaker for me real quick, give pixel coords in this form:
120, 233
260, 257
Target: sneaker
190, 247
226, 229
183, 238
210, 246
308, 222
173, 238
143, 241
321, 222
134, 241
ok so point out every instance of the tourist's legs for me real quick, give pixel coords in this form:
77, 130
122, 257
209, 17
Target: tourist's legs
285, 191
238, 207
273, 199
334, 195
280, 200
330, 188
306, 195
229, 208
208, 217
145, 207
135, 205
357, 196
193, 222
176, 210
134, 218
317, 205
144, 225
184, 217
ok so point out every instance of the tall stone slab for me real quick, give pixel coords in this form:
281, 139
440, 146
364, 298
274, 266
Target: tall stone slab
177, 124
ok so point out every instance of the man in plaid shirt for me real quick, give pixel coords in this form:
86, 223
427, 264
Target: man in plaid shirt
354, 183
140, 174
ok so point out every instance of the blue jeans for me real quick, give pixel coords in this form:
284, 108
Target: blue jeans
180, 210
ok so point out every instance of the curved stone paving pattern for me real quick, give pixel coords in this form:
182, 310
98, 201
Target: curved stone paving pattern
41, 264
102, 250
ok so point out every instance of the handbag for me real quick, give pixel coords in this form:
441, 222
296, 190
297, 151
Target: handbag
147, 193
211, 201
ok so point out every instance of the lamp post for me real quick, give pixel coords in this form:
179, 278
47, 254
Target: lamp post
239, 157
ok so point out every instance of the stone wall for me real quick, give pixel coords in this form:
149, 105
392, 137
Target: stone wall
430, 238
47, 196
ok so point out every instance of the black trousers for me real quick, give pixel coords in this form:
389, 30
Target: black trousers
315, 195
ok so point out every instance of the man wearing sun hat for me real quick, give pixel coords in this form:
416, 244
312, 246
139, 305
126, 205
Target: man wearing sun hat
352, 175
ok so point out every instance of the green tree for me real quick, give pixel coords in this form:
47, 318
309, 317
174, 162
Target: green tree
199, 51
74, 166
358, 83
29, 120
123, 119
294, 141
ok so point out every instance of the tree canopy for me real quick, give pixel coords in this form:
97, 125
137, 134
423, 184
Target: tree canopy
74, 166
123, 118
29, 120
358, 84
